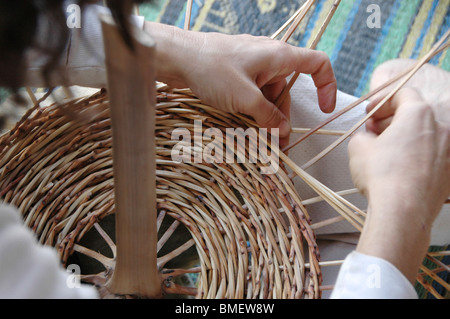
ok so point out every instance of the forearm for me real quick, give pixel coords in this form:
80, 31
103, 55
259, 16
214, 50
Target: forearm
172, 54
404, 172
394, 232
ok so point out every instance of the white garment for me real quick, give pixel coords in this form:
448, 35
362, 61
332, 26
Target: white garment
367, 277
85, 67
83, 61
32, 271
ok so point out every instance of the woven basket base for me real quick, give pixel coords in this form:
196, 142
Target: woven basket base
246, 235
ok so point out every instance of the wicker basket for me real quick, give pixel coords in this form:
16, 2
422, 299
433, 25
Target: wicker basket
251, 234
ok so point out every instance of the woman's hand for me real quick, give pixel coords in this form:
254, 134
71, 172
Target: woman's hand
431, 81
240, 74
405, 174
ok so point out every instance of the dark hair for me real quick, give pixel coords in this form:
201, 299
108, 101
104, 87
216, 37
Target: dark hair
18, 31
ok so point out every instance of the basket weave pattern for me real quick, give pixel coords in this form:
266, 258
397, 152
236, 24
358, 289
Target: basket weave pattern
251, 232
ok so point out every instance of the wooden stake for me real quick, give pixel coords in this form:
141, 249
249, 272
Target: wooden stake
288, 22
32, 96
132, 95
320, 132
327, 222
294, 78
346, 209
320, 199
187, 20
325, 24
327, 263
298, 20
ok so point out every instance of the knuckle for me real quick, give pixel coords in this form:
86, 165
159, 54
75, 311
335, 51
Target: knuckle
322, 56
273, 117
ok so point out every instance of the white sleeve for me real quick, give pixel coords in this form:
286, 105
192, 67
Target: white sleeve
367, 277
32, 271
82, 63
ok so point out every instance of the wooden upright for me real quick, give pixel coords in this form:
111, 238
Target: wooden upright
131, 88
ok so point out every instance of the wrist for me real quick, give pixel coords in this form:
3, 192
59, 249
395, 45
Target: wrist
405, 205
171, 56
394, 231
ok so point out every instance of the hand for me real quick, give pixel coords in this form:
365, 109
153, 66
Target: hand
430, 81
410, 159
242, 73
405, 174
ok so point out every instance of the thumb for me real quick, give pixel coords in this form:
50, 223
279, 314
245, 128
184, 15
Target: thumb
359, 150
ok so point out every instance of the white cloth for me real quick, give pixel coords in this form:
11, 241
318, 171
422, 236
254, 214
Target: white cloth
83, 62
367, 277
32, 271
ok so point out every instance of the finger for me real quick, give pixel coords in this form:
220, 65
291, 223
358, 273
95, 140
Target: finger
271, 92
385, 72
359, 148
265, 113
378, 127
380, 76
388, 70
386, 111
285, 109
412, 115
406, 101
382, 118
360, 144
273, 89
319, 66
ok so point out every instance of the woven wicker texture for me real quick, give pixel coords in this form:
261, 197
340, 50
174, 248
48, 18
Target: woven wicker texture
250, 230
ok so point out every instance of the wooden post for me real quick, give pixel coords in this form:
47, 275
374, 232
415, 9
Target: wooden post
132, 93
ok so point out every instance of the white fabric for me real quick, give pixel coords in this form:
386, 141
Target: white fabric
29, 270
367, 277
83, 61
